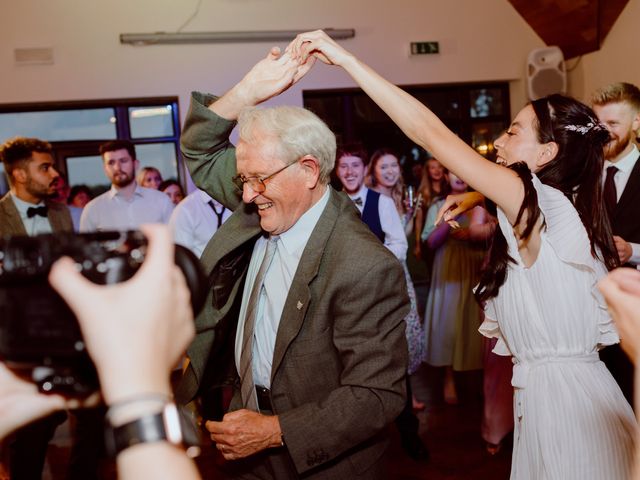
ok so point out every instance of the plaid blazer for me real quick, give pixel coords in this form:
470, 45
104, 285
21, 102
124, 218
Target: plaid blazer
11, 223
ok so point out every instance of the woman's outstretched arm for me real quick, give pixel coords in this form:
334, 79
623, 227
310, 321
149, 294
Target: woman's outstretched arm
420, 124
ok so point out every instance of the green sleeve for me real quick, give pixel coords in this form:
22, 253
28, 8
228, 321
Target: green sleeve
207, 152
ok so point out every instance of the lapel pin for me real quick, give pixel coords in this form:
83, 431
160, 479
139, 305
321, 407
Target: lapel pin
299, 305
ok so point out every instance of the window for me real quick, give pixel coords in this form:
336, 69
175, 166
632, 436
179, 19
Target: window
4, 183
77, 129
61, 125
477, 112
149, 122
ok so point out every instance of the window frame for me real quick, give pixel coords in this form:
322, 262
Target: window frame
67, 148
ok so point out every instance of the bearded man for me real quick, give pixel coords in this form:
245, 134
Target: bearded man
126, 205
618, 108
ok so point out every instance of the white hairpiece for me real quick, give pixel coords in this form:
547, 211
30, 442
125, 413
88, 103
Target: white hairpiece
584, 129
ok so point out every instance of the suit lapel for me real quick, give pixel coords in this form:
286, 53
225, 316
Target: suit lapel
297, 303
239, 228
12, 223
59, 218
630, 191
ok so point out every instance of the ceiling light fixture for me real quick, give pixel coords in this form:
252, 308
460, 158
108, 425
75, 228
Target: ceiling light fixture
140, 39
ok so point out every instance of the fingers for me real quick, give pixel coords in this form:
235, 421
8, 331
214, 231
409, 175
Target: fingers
304, 68
311, 44
618, 301
214, 427
75, 290
455, 212
160, 251
453, 224
274, 53
448, 204
627, 279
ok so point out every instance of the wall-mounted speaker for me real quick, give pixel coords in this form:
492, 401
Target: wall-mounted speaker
546, 73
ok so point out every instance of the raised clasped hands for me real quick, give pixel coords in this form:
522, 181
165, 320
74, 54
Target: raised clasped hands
278, 71
269, 77
317, 44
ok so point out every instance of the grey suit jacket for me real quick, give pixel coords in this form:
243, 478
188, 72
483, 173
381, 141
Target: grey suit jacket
11, 223
340, 355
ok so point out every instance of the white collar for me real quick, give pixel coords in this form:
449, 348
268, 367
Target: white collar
113, 191
362, 193
626, 163
23, 205
295, 239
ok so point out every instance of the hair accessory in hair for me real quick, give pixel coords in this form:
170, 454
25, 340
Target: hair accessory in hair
584, 129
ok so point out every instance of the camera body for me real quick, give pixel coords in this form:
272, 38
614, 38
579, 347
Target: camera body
39, 335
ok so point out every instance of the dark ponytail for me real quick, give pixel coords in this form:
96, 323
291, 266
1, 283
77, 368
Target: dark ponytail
576, 171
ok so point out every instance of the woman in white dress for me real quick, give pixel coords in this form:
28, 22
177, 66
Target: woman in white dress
553, 244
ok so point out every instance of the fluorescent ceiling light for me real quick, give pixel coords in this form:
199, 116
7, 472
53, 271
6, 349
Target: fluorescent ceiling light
225, 37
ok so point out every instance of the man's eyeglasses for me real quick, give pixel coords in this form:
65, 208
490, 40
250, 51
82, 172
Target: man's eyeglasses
257, 183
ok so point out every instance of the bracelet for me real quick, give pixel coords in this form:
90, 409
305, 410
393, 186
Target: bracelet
159, 398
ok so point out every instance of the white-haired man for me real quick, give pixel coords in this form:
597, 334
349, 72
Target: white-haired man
315, 302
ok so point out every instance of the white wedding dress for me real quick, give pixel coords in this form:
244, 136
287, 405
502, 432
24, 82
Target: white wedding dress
571, 419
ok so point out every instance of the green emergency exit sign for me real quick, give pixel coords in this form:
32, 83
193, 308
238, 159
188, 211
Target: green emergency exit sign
424, 48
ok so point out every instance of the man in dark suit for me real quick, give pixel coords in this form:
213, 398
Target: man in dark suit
618, 108
26, 210
320, 352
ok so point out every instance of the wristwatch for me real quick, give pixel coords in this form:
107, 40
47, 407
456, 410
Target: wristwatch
172, 424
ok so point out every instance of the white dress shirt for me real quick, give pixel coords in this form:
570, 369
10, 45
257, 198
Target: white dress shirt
394, 237
194, 222
36, 224
112, 211
625, 167
277, 282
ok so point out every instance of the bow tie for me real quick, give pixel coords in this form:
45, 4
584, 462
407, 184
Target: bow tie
358, 201
33, 211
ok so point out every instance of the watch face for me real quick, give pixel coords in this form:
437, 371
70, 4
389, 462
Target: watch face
175, 425
172, 425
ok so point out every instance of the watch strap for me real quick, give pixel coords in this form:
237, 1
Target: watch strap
170, 425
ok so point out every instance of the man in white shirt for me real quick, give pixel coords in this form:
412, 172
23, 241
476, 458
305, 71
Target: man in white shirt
126, 205
384, 220
618, 108
195, 219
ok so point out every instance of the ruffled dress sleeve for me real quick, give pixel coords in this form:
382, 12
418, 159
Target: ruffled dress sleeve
564, 232
491, 329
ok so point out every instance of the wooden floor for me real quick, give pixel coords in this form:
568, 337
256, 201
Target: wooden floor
451, 433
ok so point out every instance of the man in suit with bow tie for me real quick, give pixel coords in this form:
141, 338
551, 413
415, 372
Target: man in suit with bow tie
26, 210
618, 108
305, 314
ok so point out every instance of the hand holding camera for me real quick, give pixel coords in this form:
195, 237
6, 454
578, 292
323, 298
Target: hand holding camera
129, 323
135, 331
